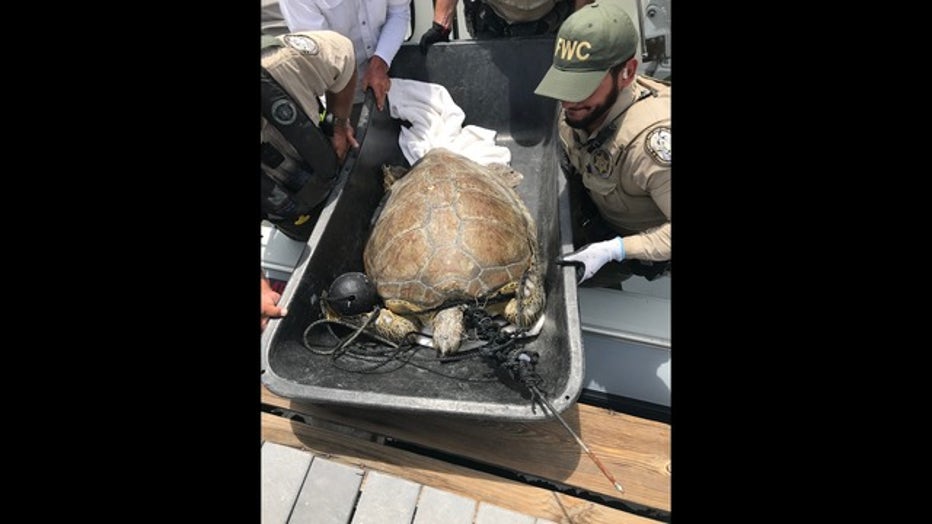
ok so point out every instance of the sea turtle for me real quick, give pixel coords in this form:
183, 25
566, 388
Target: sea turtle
453, 232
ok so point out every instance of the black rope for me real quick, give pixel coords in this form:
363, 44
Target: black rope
502, 350
344, 343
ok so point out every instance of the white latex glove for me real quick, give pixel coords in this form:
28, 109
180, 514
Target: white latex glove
591, 257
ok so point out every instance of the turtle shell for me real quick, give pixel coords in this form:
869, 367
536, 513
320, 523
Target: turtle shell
451, 230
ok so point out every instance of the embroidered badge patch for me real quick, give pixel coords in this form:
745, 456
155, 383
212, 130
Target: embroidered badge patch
658, 145
601, 161
302, 43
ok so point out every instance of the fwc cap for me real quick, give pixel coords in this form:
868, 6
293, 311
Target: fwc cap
590, 41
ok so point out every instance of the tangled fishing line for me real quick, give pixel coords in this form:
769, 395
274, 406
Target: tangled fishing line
354, 347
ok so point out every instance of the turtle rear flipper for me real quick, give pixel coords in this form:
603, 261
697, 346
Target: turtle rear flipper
529, 301
393, 327
391, 174
448, 329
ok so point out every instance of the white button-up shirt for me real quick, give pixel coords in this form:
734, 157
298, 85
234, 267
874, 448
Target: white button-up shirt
376, 27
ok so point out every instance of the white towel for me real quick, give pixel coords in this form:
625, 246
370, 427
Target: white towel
436, 121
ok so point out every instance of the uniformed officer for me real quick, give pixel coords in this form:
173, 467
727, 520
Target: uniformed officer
299, 163
615, 134
500, 18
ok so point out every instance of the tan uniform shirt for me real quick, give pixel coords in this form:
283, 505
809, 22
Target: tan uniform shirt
306, 67
628, 174
516, 11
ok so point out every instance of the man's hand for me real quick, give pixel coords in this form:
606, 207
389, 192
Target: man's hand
344, 138
376, 77
436, 33
590, 258
268, 304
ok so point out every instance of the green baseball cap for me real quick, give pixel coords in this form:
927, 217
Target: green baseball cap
590, 41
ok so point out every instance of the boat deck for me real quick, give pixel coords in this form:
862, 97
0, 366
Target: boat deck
329, 463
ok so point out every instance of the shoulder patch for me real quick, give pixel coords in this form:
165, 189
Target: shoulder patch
302, 43
658, 145
601, 161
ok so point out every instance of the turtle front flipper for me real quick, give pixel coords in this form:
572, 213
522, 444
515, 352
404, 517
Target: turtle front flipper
448, 330
392, 326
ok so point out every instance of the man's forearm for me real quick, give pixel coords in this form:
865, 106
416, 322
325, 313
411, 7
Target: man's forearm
340, 104
393, 32
443, 12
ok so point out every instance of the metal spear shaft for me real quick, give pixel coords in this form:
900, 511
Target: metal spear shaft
579, 440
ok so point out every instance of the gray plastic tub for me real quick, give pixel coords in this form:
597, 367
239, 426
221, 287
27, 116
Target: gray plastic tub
493, 82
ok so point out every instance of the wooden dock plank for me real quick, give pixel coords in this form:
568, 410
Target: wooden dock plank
329, 493
489, 514
386, 499
635, 450
469, 483
442, 506
283, 472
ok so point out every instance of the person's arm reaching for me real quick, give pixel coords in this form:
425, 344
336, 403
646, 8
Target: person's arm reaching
440, 28
268, 303
340, 105
332, 73
390, 39
590, 258
393, 32
654, 243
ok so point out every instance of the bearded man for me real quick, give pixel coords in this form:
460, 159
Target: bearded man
616, 143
